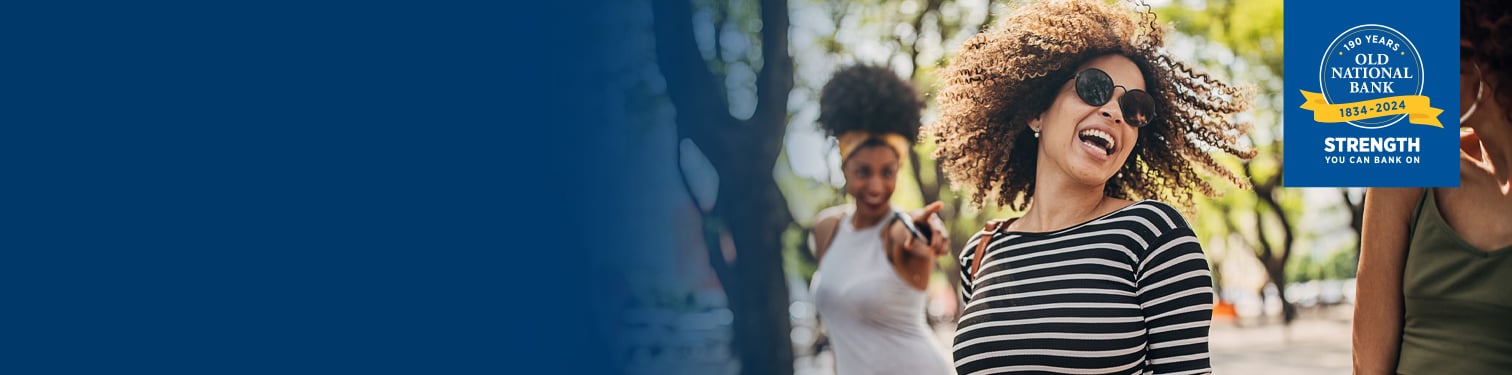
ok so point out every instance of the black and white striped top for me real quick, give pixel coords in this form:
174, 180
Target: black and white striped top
1126, 293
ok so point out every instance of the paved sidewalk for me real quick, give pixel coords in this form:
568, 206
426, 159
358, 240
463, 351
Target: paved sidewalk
1310, 346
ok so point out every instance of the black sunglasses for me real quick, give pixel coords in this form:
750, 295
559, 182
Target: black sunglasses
1095, 87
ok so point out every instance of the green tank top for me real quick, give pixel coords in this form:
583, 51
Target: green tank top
1458, 300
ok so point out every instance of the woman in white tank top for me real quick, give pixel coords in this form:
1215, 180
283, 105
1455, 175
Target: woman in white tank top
870, 291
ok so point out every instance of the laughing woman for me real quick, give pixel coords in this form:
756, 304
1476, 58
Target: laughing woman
1072, 110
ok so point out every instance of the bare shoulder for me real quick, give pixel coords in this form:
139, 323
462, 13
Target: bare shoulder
825, 221
825, 224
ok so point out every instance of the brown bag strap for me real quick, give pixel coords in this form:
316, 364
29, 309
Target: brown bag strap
989, 232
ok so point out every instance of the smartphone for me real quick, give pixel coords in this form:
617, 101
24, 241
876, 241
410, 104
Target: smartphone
913, 227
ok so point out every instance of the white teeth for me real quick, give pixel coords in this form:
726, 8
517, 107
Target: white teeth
1105, 137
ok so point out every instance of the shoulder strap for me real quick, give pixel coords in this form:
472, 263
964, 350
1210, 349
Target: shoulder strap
990, 231
1417, 212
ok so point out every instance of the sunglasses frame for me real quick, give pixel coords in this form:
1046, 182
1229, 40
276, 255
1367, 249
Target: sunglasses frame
1106, 95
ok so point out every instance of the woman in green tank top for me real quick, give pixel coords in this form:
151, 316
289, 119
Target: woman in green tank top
1435, 280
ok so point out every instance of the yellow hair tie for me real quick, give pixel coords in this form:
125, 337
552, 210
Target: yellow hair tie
850, 140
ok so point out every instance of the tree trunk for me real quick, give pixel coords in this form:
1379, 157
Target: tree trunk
762, 324
1356, 215
1274, 261
749, 205
1276, 269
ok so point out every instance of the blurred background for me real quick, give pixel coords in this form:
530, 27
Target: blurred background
719, 103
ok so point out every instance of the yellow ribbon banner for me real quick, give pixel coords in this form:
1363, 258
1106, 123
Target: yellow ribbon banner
1416, 108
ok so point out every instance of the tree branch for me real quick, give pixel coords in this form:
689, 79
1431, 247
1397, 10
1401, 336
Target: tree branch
1265, 246
918, 26
701, 109
1262, 193
719, 20
776, 78
929, 194
1356, 213
709, 226
1286, 226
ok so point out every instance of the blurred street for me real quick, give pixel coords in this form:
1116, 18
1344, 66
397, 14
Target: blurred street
1313, 345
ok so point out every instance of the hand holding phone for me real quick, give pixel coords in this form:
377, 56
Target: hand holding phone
914, 226
919, 226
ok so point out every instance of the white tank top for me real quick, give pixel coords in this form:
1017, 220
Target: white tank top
875, 319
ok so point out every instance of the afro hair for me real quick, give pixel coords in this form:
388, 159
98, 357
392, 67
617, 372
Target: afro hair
872, 99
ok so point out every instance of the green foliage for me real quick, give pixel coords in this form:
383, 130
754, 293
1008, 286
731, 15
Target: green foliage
1341, 265
1338, 265
805, 197
794, 262
1303, 268
1252, 29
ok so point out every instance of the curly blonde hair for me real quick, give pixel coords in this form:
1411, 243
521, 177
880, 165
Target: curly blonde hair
1005, 77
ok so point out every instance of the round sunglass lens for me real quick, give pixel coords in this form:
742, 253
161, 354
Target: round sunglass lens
1094, 87
1138, 107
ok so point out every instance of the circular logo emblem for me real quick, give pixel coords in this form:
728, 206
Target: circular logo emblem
1370, 62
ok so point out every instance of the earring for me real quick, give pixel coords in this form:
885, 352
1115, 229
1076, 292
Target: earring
1479, 89
1036, 132
1119, 175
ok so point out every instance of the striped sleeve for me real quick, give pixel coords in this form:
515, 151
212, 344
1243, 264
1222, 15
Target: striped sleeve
1176, 296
